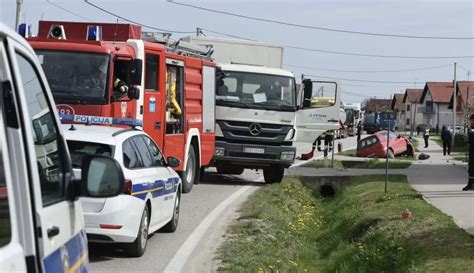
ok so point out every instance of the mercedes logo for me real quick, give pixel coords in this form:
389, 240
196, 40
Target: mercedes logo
255, 129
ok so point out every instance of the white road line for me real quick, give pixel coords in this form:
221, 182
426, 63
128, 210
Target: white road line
181, 257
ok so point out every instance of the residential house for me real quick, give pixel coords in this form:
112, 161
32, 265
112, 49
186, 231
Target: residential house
399, 109
435, 102
413, 109
464, 102
378, 105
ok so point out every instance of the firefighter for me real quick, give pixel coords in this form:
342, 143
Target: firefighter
120, 86
328, 140
426, 136
359, 131
319, 140
470, 183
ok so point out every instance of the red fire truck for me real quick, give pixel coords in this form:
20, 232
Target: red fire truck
170, 86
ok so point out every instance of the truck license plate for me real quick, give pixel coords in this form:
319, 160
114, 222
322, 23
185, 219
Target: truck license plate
254, 150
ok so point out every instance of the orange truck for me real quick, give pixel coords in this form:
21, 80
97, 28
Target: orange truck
169, 86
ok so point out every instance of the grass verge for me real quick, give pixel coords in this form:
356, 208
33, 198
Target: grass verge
284, 228
454, 149
351, 152
368, 164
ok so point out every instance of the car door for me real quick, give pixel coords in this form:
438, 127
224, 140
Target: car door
320, 101
58, 220
169, 177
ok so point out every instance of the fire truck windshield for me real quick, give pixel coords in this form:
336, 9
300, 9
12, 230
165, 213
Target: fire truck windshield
256, 91
76, 77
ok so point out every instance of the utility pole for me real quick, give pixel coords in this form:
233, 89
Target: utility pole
198, 31
454, 106
19, 6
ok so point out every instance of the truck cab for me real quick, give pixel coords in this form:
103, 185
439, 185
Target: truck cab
41, 220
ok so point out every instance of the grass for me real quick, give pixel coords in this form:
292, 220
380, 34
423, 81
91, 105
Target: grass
368, 164
285, 228
454, 149
351, 152
460, 157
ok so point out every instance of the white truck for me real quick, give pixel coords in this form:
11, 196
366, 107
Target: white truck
41, 220
260, 112
353, 117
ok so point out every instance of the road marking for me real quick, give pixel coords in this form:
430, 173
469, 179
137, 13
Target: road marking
181, 257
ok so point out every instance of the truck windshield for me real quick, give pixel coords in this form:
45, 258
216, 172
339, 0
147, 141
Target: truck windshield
257, 91
76, 77
350, 115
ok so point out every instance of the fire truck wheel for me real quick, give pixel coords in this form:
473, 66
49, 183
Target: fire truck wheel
273, 174
137, 248
190, 175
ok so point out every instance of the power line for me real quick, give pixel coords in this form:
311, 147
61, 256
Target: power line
346, 53
316, 27
135, 22
357, 80
463, 68
366, 71
68, 11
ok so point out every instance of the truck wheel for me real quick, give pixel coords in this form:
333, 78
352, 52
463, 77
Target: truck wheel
137, 248
273, 174
172, 225
191, 175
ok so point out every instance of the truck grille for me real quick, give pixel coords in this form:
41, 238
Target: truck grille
264, 133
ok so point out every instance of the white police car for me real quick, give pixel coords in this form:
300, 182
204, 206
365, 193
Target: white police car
152, 189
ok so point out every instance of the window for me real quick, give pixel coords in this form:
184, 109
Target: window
324, 94
49, 155
156, 154
130, 156
78, 149
408, 107
367, 142
151, 72
143, 151
5, 225
408, 121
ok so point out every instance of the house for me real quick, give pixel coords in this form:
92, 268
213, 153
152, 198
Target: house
464, 101
413, 109
399, 109
435, 102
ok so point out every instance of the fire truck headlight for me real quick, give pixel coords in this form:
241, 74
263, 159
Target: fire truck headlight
218, 131
220, 151
287, 156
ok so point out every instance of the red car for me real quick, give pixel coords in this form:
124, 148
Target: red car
375, 145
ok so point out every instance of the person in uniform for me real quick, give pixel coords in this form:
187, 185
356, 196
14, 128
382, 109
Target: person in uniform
359, 131
470, 182
426, 136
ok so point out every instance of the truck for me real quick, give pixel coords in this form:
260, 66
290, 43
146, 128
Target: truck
41, 219
170, 84
353, 117
260, 112
376, 121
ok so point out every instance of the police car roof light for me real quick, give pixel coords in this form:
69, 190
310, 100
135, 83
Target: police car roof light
90, 120
94, 33
24, 30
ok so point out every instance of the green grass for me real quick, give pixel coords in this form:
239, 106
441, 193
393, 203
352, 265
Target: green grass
284, 228
460, 157
369, 164
351, 152
454, 149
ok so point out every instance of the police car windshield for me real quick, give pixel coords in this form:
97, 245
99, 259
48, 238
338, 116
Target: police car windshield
257, 91
78, 149
76, 77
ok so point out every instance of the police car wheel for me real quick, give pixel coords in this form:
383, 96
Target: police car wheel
172, 225
137, 248
190, 175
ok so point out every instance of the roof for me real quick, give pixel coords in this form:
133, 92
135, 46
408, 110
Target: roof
92, 133
256, 69
465, 89
441, 92
397, 102
412, 95
378, 105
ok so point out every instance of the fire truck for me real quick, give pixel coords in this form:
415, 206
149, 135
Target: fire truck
170, 85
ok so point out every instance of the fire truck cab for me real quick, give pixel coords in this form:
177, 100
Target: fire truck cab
169, 88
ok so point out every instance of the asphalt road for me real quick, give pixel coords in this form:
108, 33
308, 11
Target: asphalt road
205, 214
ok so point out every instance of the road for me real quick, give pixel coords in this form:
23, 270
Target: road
205, 215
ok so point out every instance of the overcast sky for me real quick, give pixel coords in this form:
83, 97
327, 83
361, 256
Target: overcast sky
407, 17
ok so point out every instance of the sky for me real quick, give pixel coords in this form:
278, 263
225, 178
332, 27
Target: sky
453, 18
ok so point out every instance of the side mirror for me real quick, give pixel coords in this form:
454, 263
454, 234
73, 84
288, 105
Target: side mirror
308, 93
133, 93
173, 161
135, 72
102, 176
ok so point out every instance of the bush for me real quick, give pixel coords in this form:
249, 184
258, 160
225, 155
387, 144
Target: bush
460, 140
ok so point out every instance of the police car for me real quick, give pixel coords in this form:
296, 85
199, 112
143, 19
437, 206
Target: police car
152, 190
